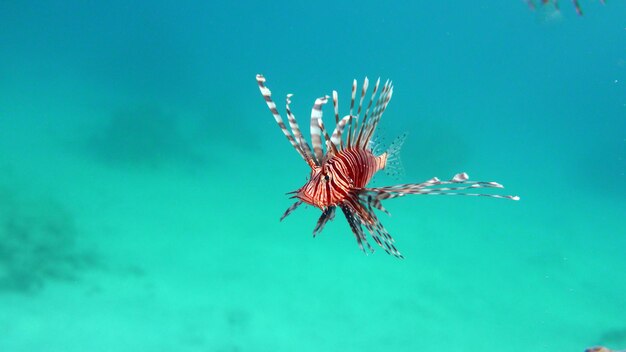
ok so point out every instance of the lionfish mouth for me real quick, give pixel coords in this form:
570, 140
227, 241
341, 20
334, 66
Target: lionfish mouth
302, 197
351, 139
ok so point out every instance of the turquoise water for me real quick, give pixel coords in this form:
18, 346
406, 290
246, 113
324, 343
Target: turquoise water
142, 177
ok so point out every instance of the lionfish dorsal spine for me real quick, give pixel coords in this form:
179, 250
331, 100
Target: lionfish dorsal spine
267, 95
331, 149
336, 106
366, 83
369, 105
316, 131
352, 99
338, 132
295, 128
379, 109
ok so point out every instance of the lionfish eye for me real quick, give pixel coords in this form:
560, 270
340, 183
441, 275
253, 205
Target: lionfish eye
326, 177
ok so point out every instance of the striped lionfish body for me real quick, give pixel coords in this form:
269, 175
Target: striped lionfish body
341, 171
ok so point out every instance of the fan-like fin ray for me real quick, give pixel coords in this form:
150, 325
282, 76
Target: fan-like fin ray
327, 215
295, 128
337, 133
353, 96
267, 95
369, 105
379, 109
331, 148
457, 186
291, 209
316, 138
355, 226
336, 106
366, 84
380, 234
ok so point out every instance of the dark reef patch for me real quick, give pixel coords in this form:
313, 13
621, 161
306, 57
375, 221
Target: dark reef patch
37, 244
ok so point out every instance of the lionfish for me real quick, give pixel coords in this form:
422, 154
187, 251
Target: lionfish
340, 174
579, 11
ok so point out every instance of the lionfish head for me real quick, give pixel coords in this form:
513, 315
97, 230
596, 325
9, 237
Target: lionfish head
316, 191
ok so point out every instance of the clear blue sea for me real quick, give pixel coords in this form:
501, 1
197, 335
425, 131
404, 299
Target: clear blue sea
142, 177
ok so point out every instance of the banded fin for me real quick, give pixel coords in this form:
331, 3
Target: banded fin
353, 96
337, 133
457, 186
331, 148
336, 106
295, 128
316, 137
366, 84
290, 209
380, 234
380, 107
267, 95
327, 215
355, 226
369, 105
358, 215
361, 130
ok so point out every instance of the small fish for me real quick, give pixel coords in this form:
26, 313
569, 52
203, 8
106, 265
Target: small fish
340, 173
601, 349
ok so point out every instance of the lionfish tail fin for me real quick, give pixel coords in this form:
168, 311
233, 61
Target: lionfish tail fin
459, 185
393, 165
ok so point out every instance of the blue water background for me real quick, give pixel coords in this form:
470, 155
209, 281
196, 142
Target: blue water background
142, 177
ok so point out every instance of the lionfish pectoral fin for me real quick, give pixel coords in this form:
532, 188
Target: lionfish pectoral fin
355, 226
360, 215
378, 231
290, 209
459, 185
375, 203
327, 215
